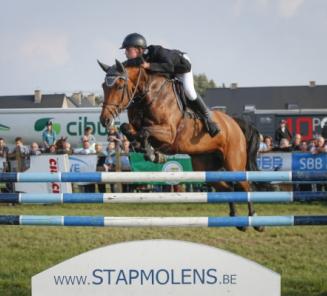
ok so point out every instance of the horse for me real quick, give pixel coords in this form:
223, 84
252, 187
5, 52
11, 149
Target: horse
156, 119
62, 146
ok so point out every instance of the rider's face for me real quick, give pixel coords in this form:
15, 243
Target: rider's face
133, 52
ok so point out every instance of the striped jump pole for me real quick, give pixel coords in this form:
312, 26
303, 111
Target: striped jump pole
146, 177
163, 197
100, 221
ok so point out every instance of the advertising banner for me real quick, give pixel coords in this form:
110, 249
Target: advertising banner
296, 161
157, 267
82, 163
49, 163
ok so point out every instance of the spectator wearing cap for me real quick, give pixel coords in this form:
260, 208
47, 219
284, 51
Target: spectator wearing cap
282, 132
49, 136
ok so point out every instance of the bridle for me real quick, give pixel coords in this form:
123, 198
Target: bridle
110, 80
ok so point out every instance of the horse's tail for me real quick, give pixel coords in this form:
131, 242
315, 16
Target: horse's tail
252, 137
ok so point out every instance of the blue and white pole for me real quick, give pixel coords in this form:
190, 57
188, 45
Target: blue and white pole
163, 197
100, 221
146, 177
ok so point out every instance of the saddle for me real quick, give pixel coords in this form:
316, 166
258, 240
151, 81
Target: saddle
182, 100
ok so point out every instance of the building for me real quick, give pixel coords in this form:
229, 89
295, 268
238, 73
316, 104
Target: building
235, 100
39, 100
303, 107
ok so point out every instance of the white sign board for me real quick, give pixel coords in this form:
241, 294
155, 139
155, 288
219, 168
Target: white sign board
274, 161
83, 164
157, 267
48, 163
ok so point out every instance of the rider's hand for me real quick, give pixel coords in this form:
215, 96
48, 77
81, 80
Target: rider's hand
145, 65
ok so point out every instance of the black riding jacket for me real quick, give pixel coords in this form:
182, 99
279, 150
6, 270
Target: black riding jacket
279, 134
163, 60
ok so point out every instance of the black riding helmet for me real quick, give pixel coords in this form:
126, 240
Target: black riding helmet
134, 40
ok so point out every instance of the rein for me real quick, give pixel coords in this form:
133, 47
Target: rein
131, 96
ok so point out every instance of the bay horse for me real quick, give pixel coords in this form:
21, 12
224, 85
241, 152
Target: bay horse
155, 118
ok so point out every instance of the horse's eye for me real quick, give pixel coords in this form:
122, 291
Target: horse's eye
120, 87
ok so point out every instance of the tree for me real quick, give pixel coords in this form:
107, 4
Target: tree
202, 83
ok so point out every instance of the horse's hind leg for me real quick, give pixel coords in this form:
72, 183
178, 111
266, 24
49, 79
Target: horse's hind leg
231, 164
214, 162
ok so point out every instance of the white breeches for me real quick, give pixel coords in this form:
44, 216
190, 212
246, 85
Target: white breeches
188, 83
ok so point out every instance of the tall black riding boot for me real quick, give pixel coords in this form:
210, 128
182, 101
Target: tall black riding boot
203, 111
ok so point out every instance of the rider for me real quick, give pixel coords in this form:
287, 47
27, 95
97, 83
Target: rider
174, 62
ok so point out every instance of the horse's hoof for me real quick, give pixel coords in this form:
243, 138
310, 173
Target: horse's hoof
159, 157
242, 228
149, 157
259, 228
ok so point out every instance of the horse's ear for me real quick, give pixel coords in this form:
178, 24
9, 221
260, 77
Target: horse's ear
103, 66
120, 67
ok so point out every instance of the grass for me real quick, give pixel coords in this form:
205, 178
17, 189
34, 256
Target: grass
299, 254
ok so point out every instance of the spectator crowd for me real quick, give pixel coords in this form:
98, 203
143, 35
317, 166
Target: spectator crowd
51, 144
283, 141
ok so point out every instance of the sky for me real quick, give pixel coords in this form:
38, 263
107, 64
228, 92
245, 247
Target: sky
54, 45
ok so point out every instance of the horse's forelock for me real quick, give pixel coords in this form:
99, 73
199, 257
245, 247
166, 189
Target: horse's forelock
113, 74
112, 71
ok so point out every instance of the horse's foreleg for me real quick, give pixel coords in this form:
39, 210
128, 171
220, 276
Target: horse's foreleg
129, 131
148, 149
141, 138
132, 135
162, 135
